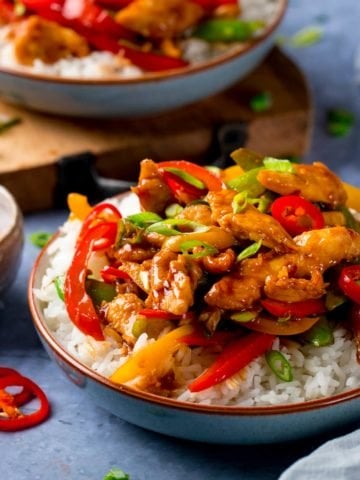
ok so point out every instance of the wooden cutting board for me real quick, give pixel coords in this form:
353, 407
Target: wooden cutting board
29, 151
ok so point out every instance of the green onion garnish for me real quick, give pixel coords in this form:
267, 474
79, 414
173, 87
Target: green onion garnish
144, 219
187, 177
203, 249
279, 364
243, 317
59, 286
40, 239
116, 474
278, 165
350, 220
321, 334
247, 159
139, 326
334, 300
261, 102
176, 226
227, 30
173, 210
240, 202
306, 37
19, 8
5, 124
249, 251
248, 181
339, 122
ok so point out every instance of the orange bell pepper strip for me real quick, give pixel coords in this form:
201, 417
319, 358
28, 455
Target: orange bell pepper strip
78, 205
235, 356
150, 360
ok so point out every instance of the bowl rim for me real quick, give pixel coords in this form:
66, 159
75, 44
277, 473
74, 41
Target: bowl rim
85, 371
13, 210
219, 60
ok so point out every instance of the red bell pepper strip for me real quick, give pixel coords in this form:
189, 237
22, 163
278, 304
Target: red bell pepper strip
198, 339
211, 181
348, 282
108, 238
111, 274
294, 309
102, 212
182, 190
19, 398
296, 214
235, 356
16, 420
160, 314
78, 303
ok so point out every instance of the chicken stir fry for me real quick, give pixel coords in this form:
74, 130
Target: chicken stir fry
149, 34
218, 259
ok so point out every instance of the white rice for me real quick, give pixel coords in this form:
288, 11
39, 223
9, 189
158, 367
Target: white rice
318, 372
107, 65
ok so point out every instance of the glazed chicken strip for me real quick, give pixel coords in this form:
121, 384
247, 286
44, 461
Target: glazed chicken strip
173, 280
314, 182
153, 192
37, 38
159, 19
291, 277
249, 224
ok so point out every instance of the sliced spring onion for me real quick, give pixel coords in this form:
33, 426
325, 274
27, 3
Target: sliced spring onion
278, 165
240, 202
213, 169
334, 300
243, 317
248, 181
202, 249
139, 326
227, 30
176, 226
350, 220
339, 122
187, 177
321, 334
144, 219
280, 365
261, 102
247, 159
249, 251
59, 287
173, 210
6, 123
40, 239
19, 8
307, 36
116, 474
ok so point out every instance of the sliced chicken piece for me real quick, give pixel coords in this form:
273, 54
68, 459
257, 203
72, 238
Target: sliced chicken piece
249, 224
173, 280
38, 39
314, 182
160, 19
121, 314
198, 213
153, 192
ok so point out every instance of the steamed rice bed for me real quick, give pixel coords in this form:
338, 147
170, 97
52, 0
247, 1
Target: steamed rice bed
317, 372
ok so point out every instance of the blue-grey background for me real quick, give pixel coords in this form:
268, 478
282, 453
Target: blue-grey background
81, 441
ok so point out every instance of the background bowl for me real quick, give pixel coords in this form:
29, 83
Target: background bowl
215, 424
150, 94
11, 238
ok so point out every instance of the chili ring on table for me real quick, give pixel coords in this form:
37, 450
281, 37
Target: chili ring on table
226, 266
13, 419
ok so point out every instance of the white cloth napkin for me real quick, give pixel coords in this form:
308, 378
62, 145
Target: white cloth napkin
337, 459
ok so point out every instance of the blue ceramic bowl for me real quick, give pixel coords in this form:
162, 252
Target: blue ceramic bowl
11, 238
215, 424
147, 95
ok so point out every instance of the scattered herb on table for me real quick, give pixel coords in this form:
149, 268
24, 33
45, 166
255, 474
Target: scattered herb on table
339, 122
6, 123
116, 474
305, 37
261, 102
40, 239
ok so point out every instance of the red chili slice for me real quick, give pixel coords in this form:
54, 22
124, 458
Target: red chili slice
296, 214
348, 279
294, 309
111, 274
19, 398
161, 314
16, 420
